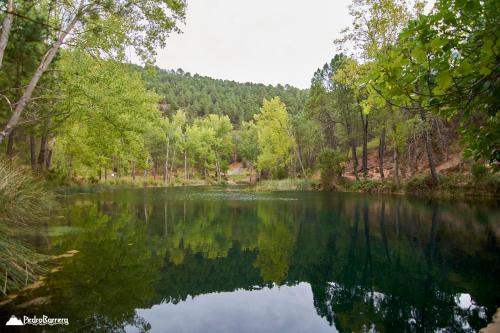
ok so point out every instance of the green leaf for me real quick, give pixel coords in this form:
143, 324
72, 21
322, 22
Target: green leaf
444, 80
419, 54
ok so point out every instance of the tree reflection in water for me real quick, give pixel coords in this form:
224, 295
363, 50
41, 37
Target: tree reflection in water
381, 263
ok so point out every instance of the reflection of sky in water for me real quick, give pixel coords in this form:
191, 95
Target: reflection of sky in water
431, 267
278, 309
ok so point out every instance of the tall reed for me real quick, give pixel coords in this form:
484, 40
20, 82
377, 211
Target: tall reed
23, 203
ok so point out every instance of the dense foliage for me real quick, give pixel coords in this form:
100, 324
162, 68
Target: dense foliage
408, 89
330, 163
200, 95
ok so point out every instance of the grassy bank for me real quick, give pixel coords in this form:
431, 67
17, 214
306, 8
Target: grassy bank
455, 185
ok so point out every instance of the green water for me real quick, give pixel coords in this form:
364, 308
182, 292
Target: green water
209, 260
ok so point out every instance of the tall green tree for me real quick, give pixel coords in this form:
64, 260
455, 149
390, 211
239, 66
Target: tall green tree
333, 99
376, 26
274, 137
102, 27
104, 124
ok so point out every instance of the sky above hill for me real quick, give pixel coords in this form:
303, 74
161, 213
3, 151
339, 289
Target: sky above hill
262, 41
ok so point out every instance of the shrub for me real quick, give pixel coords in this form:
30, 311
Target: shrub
369, 186
479, 172
419, 183
331, 165
57, 178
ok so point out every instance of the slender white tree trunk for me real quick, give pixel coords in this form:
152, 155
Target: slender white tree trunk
6, 26
428, 147
185, 166
172, 164
217, 166
165, 174
44, 64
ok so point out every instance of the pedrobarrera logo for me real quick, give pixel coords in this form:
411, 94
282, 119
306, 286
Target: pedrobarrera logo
44, 320
13, 321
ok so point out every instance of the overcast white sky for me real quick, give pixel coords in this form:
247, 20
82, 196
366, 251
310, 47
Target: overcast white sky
264, 41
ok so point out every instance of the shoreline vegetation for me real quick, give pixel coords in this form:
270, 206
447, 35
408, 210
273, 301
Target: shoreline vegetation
450, 186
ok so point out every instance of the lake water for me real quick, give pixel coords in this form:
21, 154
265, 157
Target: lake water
212, 260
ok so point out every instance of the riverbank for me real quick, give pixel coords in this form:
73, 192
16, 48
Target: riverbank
450, 186
454, 186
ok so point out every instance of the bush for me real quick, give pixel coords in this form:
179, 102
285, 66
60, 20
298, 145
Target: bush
479, 172
369, 186
56, 178
331, 164
419, 183
424, 184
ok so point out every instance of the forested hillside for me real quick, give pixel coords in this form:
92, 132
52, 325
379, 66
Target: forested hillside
201, 95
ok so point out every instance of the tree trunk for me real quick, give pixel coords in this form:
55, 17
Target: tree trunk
396, 150
297, 152
396, 165
165, 172
42, 155
146, 168
185, 166
329, 128
381, 153
217, 166
354, 160
133, 170
10, 144
6, 26
33, 151
44, 64
48, 160
428, 148
172, 164
364, 122
49, 153
353, 151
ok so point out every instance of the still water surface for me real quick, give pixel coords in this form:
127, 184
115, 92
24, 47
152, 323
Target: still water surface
209, 260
